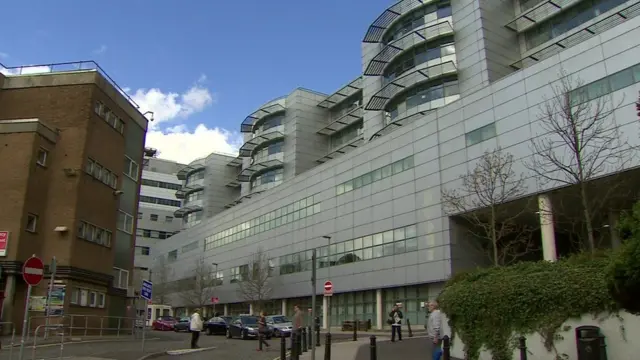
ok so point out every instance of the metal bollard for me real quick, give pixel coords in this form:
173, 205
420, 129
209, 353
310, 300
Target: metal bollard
355, 330
446, 348
304, 340
327, 347
373, 348
317, 335
523, 347
309, 337
294, 345
283, 348
409, 327
299, 342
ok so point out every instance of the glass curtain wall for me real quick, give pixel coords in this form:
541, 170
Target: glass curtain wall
359, 305
411, 297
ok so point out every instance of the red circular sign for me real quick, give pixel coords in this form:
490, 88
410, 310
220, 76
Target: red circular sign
33, 271
328, 286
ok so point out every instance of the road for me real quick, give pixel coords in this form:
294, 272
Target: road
408, 349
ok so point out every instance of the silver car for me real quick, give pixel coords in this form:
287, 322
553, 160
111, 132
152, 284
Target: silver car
281, 325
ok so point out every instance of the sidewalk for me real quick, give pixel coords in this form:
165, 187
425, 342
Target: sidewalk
347, 350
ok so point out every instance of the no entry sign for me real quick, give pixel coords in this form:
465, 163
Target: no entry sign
33, 271
328, 288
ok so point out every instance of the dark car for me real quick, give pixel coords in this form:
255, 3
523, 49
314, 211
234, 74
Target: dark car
246, 327
182, 324
217, 325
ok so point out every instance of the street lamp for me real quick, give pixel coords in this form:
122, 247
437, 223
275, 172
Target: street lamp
215, 284
328, 278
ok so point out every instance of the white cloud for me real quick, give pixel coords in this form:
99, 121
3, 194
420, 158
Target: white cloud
101, 50
181, 145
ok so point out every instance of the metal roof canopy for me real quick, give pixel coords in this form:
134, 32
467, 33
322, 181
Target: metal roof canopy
237, 161
249, 121
580, 36
246, 150
241, 198
538, 13
183, 191
342, 150
390, 51
392, 126
233, 183
246, 174
185, 210
379, 100
342, 122
382, 23
184, 172
340, 95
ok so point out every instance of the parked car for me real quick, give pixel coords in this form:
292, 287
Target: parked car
246, 327
281, 325
217, 325
182, 324
163, 323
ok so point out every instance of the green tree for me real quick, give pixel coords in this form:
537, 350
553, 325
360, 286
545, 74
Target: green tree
623, 274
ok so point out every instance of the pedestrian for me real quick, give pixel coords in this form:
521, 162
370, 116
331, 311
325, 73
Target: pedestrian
297, 323
395, 319
262, 329
434, 329
195, 325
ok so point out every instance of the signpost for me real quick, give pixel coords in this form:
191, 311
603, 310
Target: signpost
328, 288
32, 273
214, 301
314, 263
146, 292
52, 270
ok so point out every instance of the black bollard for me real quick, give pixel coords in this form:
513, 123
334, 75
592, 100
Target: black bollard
446, 348
309, 337
355, 330
523, 347
304, 340
283, 348
327, 347
299, 342
373, 351
294, 345
317, 335
409, 327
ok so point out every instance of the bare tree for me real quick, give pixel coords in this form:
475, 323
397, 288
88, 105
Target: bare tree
255, 286
482, 202
198, 289
581, 143
160, 276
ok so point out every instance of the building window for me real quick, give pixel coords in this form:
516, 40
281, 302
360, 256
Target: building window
168, 219
192, 219
101, 173
375, 175
84, 297
219, 278
32, 223
109, 117
195, 176
143, 250
153, 217
444, 88
604, 86
125, 222
102, 300
93, 299
270, 176
42, 157
191, 246
159, 201
161, 184
140, 216
154, 233
346, 135
120, 278
131, 168
94, 234
481, 134
420, 54
87, 297
172, 256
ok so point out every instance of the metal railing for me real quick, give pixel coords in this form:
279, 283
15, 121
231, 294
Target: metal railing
83, 325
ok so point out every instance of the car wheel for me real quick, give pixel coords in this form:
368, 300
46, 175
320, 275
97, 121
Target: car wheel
209, 331
175, 329
276, 333
244, 335
228, 334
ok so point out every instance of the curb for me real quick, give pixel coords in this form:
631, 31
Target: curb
70, 342
174, 353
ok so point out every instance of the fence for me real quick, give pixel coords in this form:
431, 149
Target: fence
82, 325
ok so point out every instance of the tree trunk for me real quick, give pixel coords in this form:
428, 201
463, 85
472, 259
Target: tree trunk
587, 217
494, 237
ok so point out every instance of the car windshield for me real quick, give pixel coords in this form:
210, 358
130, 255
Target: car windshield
280, 319
166, 318
226, 318
184, 319
249, 320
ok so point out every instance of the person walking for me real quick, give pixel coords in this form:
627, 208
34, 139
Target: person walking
297, 324
262, 329
395, 319
434, 329
195, 325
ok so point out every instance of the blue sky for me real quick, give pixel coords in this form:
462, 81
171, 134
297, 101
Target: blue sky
220, 59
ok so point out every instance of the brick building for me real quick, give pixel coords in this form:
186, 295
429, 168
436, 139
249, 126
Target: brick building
70, 145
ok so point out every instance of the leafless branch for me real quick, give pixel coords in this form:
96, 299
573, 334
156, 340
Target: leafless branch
160, 277
581, 143
255, 285
482, 202
198, 289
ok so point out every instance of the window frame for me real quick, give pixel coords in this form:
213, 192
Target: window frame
45, 152
35, 223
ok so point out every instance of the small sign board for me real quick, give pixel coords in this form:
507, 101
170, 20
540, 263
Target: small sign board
4, 241
33, 270
146, 290
328, 288
215, 300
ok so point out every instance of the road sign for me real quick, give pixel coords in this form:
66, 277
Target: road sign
33, 270
146, 290
215, 300
328, 288
4, 241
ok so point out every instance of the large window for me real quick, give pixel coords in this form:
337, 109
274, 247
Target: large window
346, 106
196, 195
481, 134
154, 234
271, 176
192, 219
568, 20
416, 19
131, 168
195, 176
101, 173
94, 234
607, 85
120, 278
271, 149
125, 222
375, 175
419, 55
422, 94
161, 184
346, 135
109, 116
159, 201
268, 123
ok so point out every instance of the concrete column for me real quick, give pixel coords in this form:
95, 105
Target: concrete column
226, 309
251, 308
614, 217
547, 228
7, 303
325, 312
284, 307
379, 312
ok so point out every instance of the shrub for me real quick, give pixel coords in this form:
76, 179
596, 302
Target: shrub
623, 273
488, 306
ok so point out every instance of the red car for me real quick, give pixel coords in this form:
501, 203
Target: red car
164, 323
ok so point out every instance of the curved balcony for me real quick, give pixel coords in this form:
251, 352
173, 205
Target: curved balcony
247, 149
380, 99
380, 25
342, 149
253, 118
193, 166
237, 161
187, 189
340, 95
266, 186
538, 13
395, 125
187, 209
343, 121
241, 199
379, 63
272, 161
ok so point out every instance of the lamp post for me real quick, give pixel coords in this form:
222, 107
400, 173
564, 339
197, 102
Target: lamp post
215, 285
328, 278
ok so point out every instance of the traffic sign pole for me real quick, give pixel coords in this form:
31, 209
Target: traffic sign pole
32, 273
52, 269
